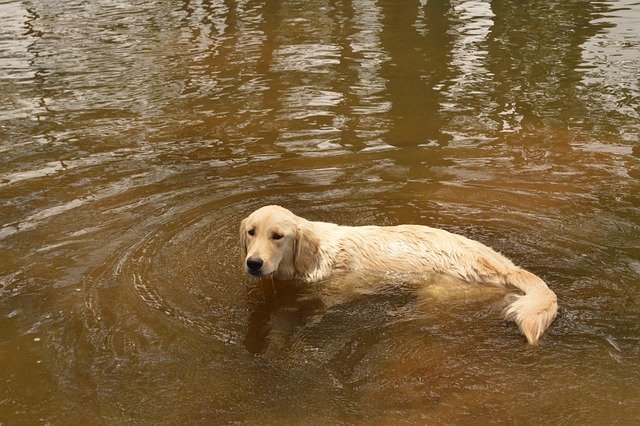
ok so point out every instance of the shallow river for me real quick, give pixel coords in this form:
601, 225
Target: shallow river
135, 135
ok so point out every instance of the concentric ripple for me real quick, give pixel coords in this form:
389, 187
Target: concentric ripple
176, 272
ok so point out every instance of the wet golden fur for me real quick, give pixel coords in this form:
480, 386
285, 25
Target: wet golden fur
277, 243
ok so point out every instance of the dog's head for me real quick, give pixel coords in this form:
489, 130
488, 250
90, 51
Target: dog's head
276, 242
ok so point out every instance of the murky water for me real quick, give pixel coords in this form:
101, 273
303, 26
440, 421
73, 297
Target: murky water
135, 135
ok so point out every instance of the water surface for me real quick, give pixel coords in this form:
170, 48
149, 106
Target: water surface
134, 137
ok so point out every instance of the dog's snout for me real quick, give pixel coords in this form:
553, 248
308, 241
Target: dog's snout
254, 264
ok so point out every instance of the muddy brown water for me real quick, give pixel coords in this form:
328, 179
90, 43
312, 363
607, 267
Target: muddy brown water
134, 137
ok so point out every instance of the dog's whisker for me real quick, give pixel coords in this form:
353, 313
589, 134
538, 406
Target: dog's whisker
264, 295
273, 285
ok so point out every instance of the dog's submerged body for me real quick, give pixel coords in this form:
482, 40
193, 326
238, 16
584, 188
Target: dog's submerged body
278, 243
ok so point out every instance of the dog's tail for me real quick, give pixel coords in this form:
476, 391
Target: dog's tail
534, 310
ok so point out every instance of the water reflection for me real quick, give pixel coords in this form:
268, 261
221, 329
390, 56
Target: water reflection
473, 22
612, 86
418, 65
135, 136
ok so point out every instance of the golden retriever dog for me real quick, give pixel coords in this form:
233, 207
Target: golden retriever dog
276, 243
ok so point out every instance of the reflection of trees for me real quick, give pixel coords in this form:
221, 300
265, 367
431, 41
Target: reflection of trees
535, 57
419, 63
404, 73
387, 71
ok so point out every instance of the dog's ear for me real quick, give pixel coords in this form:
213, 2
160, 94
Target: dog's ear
243, 240
306, 249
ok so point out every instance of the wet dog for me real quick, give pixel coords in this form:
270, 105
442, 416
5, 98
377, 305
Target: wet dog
277, 243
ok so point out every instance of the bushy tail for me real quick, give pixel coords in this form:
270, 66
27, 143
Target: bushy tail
533, 311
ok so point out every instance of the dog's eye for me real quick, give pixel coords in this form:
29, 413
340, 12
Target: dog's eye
277, 236
252, 232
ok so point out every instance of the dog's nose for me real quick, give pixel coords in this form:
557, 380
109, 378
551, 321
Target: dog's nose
254, 264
